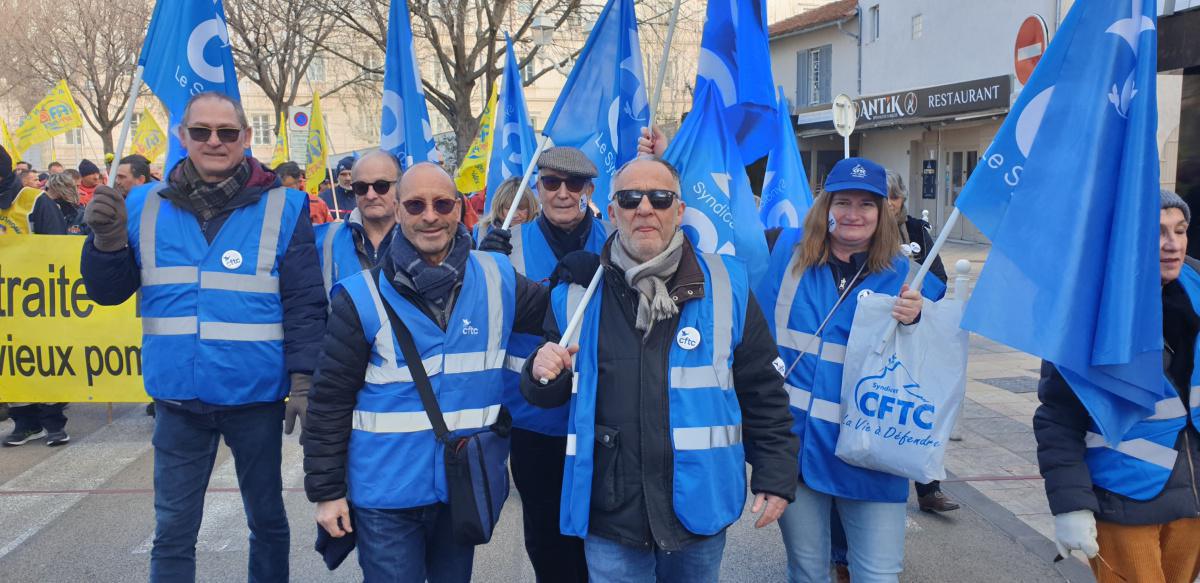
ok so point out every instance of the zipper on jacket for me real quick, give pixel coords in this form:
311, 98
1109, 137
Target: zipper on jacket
1187, 451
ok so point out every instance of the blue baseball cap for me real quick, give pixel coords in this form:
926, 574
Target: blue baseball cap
857, 174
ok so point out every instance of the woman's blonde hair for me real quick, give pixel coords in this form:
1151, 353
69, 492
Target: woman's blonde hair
62, 186
814, 247
502, 200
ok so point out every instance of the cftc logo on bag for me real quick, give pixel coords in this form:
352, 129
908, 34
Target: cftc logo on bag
893, 398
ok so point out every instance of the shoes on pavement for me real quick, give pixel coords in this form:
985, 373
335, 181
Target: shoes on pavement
57, 438
23, 436
936, 502
843, 573
150, 409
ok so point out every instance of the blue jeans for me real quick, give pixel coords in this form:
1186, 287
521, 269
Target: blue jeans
410, 545
185, 448
874, 531
609, 561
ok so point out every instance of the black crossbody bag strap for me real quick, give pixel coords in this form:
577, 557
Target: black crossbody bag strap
412, 358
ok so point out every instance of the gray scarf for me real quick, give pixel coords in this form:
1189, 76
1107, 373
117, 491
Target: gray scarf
650, 279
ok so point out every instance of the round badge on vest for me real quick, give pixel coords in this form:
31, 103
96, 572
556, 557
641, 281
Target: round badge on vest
864, 293
231, 259
688, 338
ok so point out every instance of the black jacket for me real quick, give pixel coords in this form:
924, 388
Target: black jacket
111, 278
632, 483
1061, 422
918, 231
341, 373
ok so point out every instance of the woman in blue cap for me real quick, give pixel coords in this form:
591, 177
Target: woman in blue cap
815, 278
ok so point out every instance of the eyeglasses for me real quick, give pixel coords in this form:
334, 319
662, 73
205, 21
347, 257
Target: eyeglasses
574, 183
381, 187
443, 206
202, 134
659, 199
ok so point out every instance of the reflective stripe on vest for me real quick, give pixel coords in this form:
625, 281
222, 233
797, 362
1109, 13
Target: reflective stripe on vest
794, 339
260, 282
1142, 449
413, 421
327, 250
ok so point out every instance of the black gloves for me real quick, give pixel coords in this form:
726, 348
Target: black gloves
498, 241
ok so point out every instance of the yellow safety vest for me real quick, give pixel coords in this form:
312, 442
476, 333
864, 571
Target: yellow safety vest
14, 220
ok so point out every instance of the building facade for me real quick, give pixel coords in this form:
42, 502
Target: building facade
932, 83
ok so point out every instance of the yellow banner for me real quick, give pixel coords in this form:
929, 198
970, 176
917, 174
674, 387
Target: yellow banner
9, 145
58, 345
471, 175
318, 149
149, 140
281, 143
54, 115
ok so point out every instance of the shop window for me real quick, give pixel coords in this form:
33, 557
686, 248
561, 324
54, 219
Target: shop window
813, 76
873, 24
264, 132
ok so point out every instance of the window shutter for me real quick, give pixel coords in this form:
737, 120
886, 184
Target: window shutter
826, 53
802, 80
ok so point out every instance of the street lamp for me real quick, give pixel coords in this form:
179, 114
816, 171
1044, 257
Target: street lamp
543, 37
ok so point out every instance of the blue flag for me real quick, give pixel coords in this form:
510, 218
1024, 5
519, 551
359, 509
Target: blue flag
513, 142
1068, 192
786, 196
720, 216
602, 108
186, 51
735, 59
404, 128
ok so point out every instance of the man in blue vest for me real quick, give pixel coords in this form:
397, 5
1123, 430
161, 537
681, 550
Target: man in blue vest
539, 435
350, 246
368, 443
677, 384
1134, 507
232, 315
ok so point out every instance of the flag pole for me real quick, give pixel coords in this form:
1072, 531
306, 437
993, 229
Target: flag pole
512, 209
655, 99
930, 257
662, 66
134, 87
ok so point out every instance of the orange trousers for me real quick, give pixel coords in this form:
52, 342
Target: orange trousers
1156, 553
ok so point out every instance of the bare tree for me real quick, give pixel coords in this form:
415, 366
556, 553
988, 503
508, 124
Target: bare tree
274, 42
90, 43
464, 38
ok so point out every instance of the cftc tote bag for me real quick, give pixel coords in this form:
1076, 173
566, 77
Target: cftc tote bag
901, 397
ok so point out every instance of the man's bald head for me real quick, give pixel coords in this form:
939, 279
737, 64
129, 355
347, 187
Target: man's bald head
426, 190
376, 160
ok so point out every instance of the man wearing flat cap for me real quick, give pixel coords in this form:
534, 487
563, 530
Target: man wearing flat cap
539, 435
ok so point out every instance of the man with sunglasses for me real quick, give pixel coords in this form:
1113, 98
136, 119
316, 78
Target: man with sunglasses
350, 246
341, 191
677, 384
368, 440
232, 313
540, 435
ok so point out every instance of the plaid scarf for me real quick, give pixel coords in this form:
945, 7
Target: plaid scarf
204, 199
434, 283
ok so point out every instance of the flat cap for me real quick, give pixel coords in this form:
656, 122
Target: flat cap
569, 161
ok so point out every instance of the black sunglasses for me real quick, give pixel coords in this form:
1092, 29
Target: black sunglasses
659, 199
443, 206
574, 183
381, 187
202, 134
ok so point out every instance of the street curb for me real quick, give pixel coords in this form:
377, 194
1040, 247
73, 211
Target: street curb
1071, 569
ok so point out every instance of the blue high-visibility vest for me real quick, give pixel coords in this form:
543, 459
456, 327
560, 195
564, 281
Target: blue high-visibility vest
337, 251
795, 306
533, 258
709, 485
212, 318
1141, 463
395, 461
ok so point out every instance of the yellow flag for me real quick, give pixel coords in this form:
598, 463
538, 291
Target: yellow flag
471, 175
54, 115
281, 143
318, 149
149, 140
9, 145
